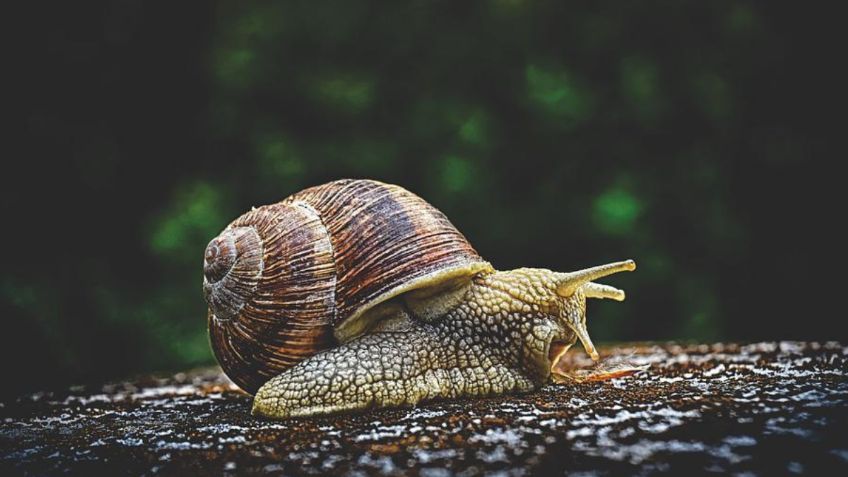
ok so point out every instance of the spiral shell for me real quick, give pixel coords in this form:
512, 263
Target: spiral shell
283, 280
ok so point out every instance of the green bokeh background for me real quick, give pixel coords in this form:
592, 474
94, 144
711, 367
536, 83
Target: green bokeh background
685, 135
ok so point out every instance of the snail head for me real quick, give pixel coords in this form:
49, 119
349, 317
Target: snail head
576, 287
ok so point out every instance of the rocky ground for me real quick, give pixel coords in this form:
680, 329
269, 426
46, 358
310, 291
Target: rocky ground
765, 408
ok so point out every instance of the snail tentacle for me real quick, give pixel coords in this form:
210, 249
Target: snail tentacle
568, 283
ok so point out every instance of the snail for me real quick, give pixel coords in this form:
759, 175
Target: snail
357, 294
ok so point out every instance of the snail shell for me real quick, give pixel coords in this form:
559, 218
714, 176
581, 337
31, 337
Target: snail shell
287, 280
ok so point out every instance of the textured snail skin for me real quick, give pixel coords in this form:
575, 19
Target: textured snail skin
497, 340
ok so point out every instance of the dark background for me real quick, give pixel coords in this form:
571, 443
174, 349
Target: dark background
691, 136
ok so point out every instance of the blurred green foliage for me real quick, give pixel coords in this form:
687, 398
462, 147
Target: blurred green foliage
553, 134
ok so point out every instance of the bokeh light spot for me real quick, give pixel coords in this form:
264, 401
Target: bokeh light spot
741, 18
713, 95
344, 93
616, 211
234, 68
556, 93
639, 84
279, 159
456, 173
192, 220
473, 130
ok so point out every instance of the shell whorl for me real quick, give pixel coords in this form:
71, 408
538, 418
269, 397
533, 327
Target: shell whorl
271, 310
232, 267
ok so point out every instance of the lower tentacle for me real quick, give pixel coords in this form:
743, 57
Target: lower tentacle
610, 368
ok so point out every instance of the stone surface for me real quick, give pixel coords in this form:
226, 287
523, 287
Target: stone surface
764, 408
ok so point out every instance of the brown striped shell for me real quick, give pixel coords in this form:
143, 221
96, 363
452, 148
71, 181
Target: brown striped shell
287, 280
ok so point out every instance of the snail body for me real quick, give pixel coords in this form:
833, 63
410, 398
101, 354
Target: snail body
358, 294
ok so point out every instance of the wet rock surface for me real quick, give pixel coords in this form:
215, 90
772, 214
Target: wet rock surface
764, 408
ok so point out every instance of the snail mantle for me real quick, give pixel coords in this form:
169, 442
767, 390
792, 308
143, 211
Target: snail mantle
766, 408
